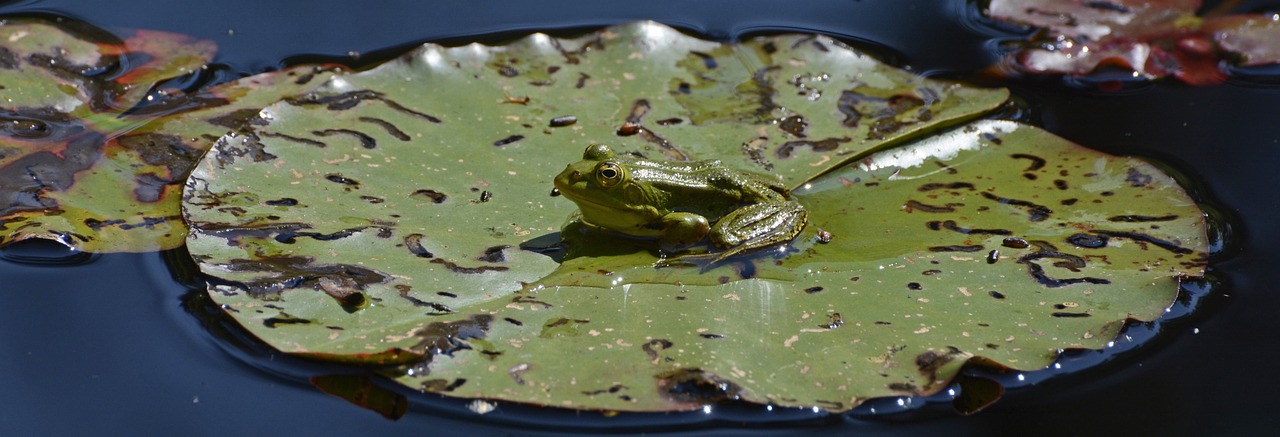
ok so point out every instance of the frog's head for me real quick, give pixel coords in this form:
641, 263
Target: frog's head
602, 186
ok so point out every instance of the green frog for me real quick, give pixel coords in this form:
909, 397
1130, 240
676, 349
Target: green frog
680, 203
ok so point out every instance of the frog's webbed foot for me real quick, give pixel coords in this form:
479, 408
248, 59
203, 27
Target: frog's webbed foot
756, 226
750, 228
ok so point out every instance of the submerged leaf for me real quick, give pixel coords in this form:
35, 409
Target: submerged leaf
77, 168
401, 216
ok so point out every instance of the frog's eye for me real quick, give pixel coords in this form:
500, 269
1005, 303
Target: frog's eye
608, 174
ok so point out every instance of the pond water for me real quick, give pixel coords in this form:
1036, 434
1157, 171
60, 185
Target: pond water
121, 344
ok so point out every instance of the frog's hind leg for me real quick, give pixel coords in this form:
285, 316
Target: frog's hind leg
756, 226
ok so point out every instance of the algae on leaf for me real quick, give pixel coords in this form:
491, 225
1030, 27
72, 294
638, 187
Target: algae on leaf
403, 217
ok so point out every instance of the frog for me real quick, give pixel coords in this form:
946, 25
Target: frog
680, 204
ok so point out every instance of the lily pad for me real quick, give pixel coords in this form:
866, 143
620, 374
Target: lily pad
381, 220
78, 167
1153, 38
1255, 39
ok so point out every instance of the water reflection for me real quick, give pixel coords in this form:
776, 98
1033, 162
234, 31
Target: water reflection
45, 252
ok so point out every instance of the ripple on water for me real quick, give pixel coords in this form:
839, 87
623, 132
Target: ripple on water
45, 252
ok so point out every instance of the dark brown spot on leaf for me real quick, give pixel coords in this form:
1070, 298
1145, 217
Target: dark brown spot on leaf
284, 201
445, 338
787, 149
293, 272
1142, 218
442, 386
952, 226
366, 141
1035, 212
1015, 242
956, 248
284, 319
1144, 238
494, 254
413, 242
794, 125
945, 186
1087, 240
654, 346
912, 206
237, 119
1036, 161
337, 178
348, 100
435, 196
1066, 261
508, 140
453, 267
387, 126
1137, 178
696, 386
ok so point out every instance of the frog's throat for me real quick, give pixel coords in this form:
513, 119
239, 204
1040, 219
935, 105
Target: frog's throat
629, 220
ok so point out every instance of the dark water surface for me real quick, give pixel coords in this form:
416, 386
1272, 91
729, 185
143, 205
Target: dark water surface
109, 347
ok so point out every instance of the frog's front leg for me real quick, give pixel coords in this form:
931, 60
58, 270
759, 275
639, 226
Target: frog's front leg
758, 225
683, 228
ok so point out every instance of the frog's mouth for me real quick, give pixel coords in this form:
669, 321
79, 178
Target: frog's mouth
585, 202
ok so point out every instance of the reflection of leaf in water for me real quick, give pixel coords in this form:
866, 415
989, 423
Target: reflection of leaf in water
363, 392
432, 207
79, 166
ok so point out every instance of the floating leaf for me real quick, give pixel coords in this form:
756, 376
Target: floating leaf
1254, 38
1154, 38
130, 201
43, 67
1095, 20
384, 220
76, 169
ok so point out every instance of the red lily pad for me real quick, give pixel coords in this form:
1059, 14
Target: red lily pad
1153, 38
1254, 38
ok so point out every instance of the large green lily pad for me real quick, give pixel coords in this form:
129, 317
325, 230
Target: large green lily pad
381, 220
77, 167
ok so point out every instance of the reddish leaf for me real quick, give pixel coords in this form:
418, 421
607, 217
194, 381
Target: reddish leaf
1254, 38
1153, 38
